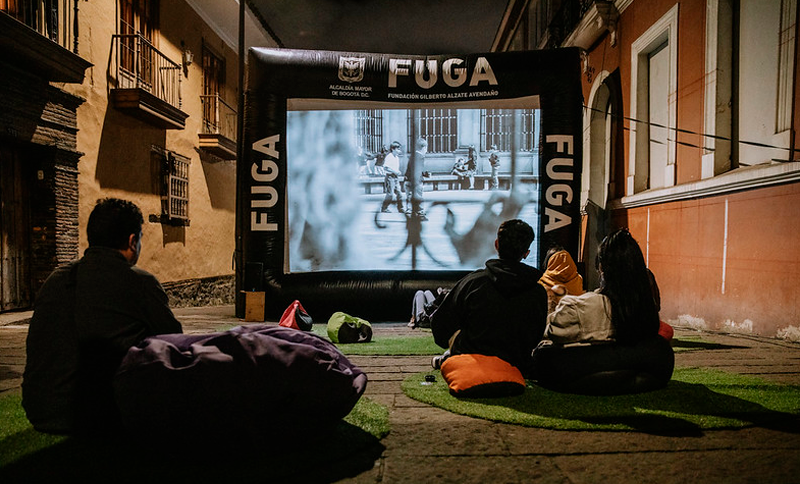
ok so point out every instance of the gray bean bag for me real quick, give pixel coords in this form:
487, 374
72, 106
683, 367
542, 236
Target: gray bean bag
258, 382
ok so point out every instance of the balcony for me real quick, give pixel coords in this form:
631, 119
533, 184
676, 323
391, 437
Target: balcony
581, 23
147, 83
218, 135
41, 37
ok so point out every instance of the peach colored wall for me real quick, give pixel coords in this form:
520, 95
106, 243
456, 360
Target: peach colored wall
117, 148
685, 244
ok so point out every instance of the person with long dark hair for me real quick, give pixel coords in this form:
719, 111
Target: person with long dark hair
622, 309
625, 281
607, 340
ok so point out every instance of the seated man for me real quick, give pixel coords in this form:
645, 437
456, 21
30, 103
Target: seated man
87, 315
499, 310
460, 170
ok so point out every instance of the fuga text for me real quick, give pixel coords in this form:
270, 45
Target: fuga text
264, 195
426, 72
558, 196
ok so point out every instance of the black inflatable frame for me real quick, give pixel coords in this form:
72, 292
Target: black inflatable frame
276, 75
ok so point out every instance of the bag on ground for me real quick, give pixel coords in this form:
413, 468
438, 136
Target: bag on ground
296, 317
343, 328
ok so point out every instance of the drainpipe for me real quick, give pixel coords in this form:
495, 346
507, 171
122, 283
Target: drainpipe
238, 255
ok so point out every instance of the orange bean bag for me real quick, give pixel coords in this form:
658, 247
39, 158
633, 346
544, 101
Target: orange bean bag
481, 376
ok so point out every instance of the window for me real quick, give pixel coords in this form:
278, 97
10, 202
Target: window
213, 86
138, 17
174, 175
654, 83
40, 15
786, 43
496, 129
717, 111
439, 127
369, 130
213, 73
137, 21
765, 77
658, 114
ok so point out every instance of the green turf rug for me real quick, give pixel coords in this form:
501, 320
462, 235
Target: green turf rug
420, 343
696, 399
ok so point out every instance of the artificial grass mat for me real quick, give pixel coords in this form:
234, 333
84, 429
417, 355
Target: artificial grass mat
30, 456
385, 345
696, 399
421, 343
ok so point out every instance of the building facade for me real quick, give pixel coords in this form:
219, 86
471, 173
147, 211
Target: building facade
135, 99
689, 141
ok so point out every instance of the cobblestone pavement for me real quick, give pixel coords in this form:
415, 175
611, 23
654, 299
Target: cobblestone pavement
427, 444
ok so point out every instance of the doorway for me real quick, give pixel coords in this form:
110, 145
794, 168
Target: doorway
15, 222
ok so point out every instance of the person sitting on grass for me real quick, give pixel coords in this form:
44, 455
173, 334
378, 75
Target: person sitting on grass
622, 309
87, 315
496, 311
560, 276
612, 330
423, 305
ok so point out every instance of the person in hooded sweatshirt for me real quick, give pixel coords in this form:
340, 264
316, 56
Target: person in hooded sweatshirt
560, 277
499, 310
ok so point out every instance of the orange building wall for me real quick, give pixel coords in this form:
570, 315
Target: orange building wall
738, 272
634, 21
686, 248
691, 86
796, 107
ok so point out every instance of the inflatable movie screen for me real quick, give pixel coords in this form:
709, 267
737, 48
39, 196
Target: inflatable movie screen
368, 176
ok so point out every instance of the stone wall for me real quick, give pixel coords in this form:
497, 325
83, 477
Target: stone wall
39, 125
208, 291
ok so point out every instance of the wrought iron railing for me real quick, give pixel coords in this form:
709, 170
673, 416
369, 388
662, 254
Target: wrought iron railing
139, 65
54, 19
218, 117
559, 22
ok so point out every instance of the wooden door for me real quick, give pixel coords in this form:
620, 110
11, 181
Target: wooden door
15, 274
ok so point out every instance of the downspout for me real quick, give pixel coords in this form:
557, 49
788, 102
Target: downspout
238, 262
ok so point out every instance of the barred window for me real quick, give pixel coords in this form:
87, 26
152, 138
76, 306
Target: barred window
369, 129
496, 129
439, 127
174, 187
178, 194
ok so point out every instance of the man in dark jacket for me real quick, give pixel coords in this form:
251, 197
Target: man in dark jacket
87, 315
499, 310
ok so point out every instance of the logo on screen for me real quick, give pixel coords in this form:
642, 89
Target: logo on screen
351, 69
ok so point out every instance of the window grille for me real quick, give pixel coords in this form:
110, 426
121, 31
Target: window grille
369, 130
496, 129
174, 174
178, 187
438, 126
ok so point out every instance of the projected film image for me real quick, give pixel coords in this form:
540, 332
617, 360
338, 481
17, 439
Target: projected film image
406, 189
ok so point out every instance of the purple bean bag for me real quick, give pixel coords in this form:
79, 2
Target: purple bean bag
256, 381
